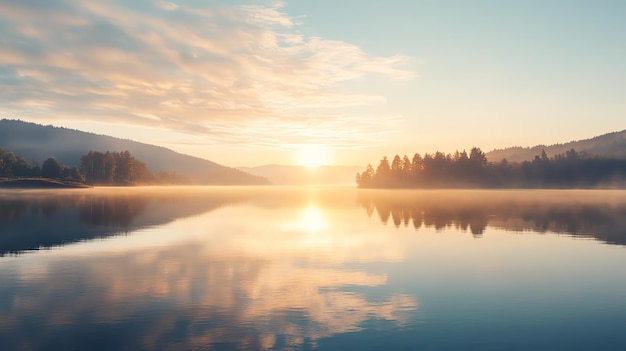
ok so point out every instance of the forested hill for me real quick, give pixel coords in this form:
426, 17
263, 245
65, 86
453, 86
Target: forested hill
611, 145
36, 143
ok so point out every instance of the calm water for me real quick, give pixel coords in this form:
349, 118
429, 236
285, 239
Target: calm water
323, 269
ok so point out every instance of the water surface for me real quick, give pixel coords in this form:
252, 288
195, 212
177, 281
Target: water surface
256, 268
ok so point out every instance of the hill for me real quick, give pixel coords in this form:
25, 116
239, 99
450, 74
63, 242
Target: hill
299, 175
611, 145
37, 142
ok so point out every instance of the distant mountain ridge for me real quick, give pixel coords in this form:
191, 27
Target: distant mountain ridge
612, 145
36, 142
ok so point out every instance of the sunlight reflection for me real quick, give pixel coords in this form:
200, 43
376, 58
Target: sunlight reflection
311, 221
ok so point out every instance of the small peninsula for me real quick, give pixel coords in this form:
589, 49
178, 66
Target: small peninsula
40, 183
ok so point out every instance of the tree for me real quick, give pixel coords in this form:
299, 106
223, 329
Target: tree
21, 168
571, 155
73, 174
98, 167
8, 162
114, 168
396, 164
364, 180
396, 170
478, 158
92, 166
124, 170
51, 168
417, 165
406, 169
109, 162
383, 172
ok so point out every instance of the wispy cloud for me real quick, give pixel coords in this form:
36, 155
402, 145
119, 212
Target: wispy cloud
221, 74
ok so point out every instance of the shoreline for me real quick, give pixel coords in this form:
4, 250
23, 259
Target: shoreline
40, 183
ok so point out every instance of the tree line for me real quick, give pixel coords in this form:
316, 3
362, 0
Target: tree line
96, 168
113, 168
122, 168
12, 166
462, 170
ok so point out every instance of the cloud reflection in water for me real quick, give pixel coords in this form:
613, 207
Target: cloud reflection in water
246, 276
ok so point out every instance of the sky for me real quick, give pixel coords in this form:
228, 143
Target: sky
248, 83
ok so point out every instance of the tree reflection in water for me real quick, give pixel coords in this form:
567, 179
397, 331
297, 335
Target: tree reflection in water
586, 213
34, 220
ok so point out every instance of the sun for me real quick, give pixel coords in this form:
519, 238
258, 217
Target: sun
312, 155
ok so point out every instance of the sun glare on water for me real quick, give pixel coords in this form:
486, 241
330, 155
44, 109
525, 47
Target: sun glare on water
311, 221
312, 155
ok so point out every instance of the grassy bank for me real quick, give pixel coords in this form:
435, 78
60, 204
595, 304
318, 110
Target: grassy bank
39, 183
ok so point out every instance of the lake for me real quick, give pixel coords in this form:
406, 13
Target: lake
262, 268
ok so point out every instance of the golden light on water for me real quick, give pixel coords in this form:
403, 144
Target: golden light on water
311, 220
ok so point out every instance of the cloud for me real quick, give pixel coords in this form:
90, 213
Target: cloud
219, 74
